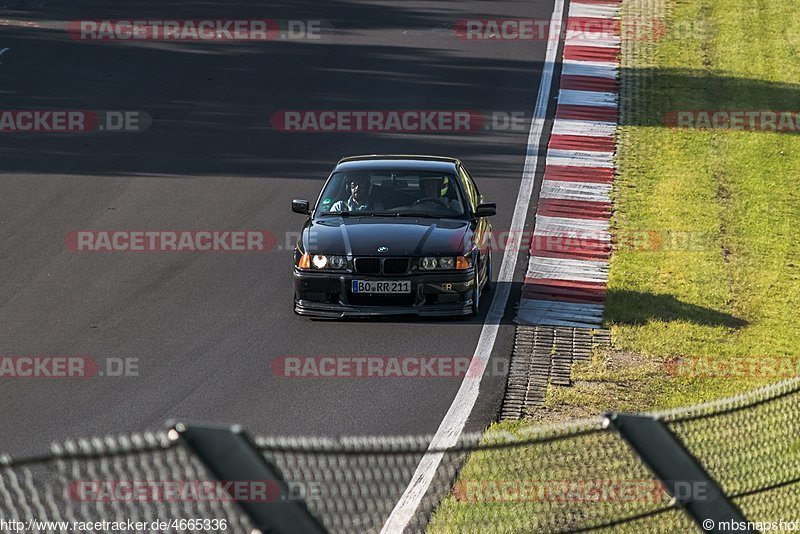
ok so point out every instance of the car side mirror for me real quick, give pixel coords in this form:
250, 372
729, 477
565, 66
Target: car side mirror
486, 210
300, 206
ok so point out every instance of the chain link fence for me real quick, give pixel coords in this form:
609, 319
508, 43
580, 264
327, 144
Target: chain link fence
116, 478
571, 477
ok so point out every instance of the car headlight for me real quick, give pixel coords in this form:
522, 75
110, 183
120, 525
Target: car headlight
447, 263
337, 262
321, 261
428, 263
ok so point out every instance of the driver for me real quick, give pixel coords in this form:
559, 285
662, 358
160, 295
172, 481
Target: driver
359, 195
434, 188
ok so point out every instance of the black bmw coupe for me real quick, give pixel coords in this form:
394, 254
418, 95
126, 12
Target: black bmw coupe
394, 235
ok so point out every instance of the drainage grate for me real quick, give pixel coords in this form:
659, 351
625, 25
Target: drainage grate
544, 354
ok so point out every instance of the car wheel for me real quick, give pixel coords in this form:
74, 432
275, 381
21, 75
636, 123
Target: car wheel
488, 285
476, 295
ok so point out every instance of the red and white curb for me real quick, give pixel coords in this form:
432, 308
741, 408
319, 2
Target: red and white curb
565, 284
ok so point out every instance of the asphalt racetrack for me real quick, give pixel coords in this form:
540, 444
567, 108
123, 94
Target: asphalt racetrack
204, 328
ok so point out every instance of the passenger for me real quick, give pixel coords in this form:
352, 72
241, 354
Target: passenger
359, 195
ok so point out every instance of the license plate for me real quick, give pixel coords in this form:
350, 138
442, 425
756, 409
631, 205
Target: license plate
382, 286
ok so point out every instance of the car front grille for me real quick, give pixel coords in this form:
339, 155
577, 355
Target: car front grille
395, 265
368, 265
382, 265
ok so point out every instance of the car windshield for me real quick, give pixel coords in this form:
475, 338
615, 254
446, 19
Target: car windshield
387, 193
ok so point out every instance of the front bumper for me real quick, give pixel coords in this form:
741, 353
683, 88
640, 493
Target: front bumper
328, 294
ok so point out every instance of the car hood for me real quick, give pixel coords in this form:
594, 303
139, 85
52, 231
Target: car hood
362, 236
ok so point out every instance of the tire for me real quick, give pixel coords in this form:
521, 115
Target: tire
488, 285
476, 295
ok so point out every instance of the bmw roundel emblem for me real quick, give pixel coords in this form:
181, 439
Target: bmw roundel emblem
383, 249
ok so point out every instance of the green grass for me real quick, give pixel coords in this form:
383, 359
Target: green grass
546, 486
739, 294
735, 292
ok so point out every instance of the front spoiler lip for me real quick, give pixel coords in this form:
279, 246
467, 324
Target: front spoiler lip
340, 311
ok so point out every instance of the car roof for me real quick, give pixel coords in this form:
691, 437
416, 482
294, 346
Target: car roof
399, 162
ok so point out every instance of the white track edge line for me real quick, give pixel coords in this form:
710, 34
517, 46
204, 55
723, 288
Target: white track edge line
452, 424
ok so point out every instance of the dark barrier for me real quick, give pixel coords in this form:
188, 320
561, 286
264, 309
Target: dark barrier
738, 458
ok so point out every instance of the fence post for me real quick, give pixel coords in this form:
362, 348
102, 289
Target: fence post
677, 469
229, 455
